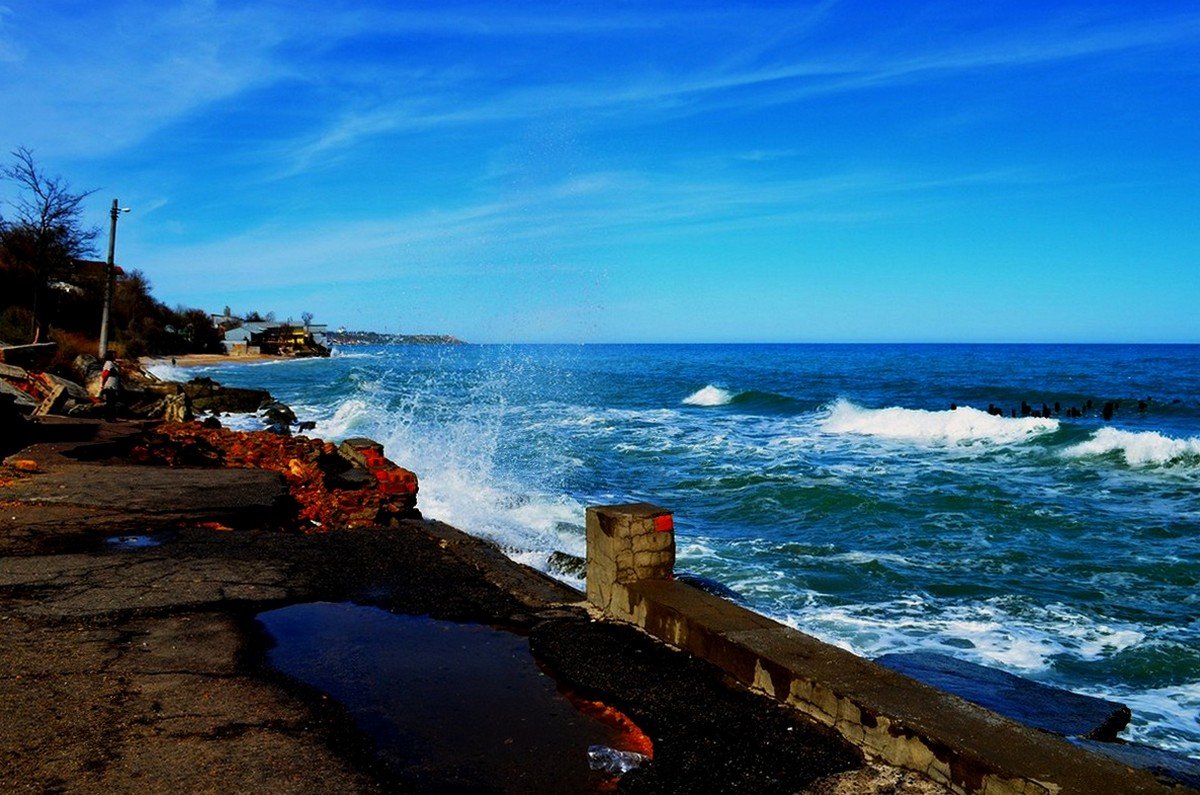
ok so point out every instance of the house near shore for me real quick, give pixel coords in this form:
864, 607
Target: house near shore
275, 339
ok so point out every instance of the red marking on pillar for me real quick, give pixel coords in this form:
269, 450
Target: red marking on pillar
664, 524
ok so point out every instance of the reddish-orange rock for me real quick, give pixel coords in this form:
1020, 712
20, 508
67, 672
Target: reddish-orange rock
308, 465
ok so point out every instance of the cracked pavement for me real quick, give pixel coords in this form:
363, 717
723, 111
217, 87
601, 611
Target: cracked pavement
130, 668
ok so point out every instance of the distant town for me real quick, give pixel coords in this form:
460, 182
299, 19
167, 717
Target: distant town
344, 337
256, 334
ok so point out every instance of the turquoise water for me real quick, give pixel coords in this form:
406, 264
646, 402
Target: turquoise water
833, 487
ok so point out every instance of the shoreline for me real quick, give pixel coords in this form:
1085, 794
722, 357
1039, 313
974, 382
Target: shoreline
137, 528
189, 360
193, 704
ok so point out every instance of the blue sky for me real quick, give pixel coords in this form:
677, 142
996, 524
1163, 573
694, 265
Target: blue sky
831, 171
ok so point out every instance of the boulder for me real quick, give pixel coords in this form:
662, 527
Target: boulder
87, 369
1033, 704
568, 564
397, 483
208, 395
276, 413
176, 408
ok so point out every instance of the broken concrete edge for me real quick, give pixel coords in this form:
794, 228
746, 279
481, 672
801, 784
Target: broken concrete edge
1028, 702
534, 589
892, 718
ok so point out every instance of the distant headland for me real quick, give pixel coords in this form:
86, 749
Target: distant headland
344, 337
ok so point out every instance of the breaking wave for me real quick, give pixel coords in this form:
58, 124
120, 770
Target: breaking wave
753, 400
964, 425
169, 372
1139, 448
709, 396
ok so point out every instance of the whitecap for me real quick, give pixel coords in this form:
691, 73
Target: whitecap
1164, 716
350, 416
709, 396
963, 425
169, 372
1139, 448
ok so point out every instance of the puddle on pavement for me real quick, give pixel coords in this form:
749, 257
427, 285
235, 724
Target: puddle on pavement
133, 541
450, 707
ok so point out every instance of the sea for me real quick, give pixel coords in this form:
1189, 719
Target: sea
860, 493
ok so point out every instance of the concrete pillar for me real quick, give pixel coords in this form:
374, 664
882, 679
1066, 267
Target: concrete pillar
626, 544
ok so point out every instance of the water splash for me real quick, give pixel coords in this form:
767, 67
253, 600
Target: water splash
709, 396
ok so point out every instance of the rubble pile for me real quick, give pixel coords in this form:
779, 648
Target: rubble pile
349, 486
38, 393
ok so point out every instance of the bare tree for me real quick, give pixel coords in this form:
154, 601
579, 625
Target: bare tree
45, 234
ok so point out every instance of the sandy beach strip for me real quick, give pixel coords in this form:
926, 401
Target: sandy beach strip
208, 359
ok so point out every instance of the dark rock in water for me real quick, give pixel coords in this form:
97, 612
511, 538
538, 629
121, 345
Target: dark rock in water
211, 422
568, 564
307, 425
1164, 764
1031, 703
208, 395
708, 585
276, 413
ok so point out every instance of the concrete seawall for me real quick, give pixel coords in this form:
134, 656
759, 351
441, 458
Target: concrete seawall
892, 718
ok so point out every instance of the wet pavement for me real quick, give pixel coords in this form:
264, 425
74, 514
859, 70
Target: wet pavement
134, 659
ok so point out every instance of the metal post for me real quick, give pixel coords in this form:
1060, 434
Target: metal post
109, 278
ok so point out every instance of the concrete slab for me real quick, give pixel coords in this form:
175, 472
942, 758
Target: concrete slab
237, 496
891, 716
1027, 702
1164, 764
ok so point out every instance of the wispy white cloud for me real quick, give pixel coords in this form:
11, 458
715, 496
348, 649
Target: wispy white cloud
736, 83
98, 79
579, 213
9, 51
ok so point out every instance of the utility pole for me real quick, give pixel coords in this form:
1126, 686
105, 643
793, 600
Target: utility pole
110, 275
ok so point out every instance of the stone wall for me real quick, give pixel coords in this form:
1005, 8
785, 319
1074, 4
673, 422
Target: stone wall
892, 718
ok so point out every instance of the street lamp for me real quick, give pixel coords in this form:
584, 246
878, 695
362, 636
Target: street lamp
109, 276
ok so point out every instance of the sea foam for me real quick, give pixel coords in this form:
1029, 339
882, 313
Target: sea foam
709, 396
1139, 448
963, 425
169, 372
